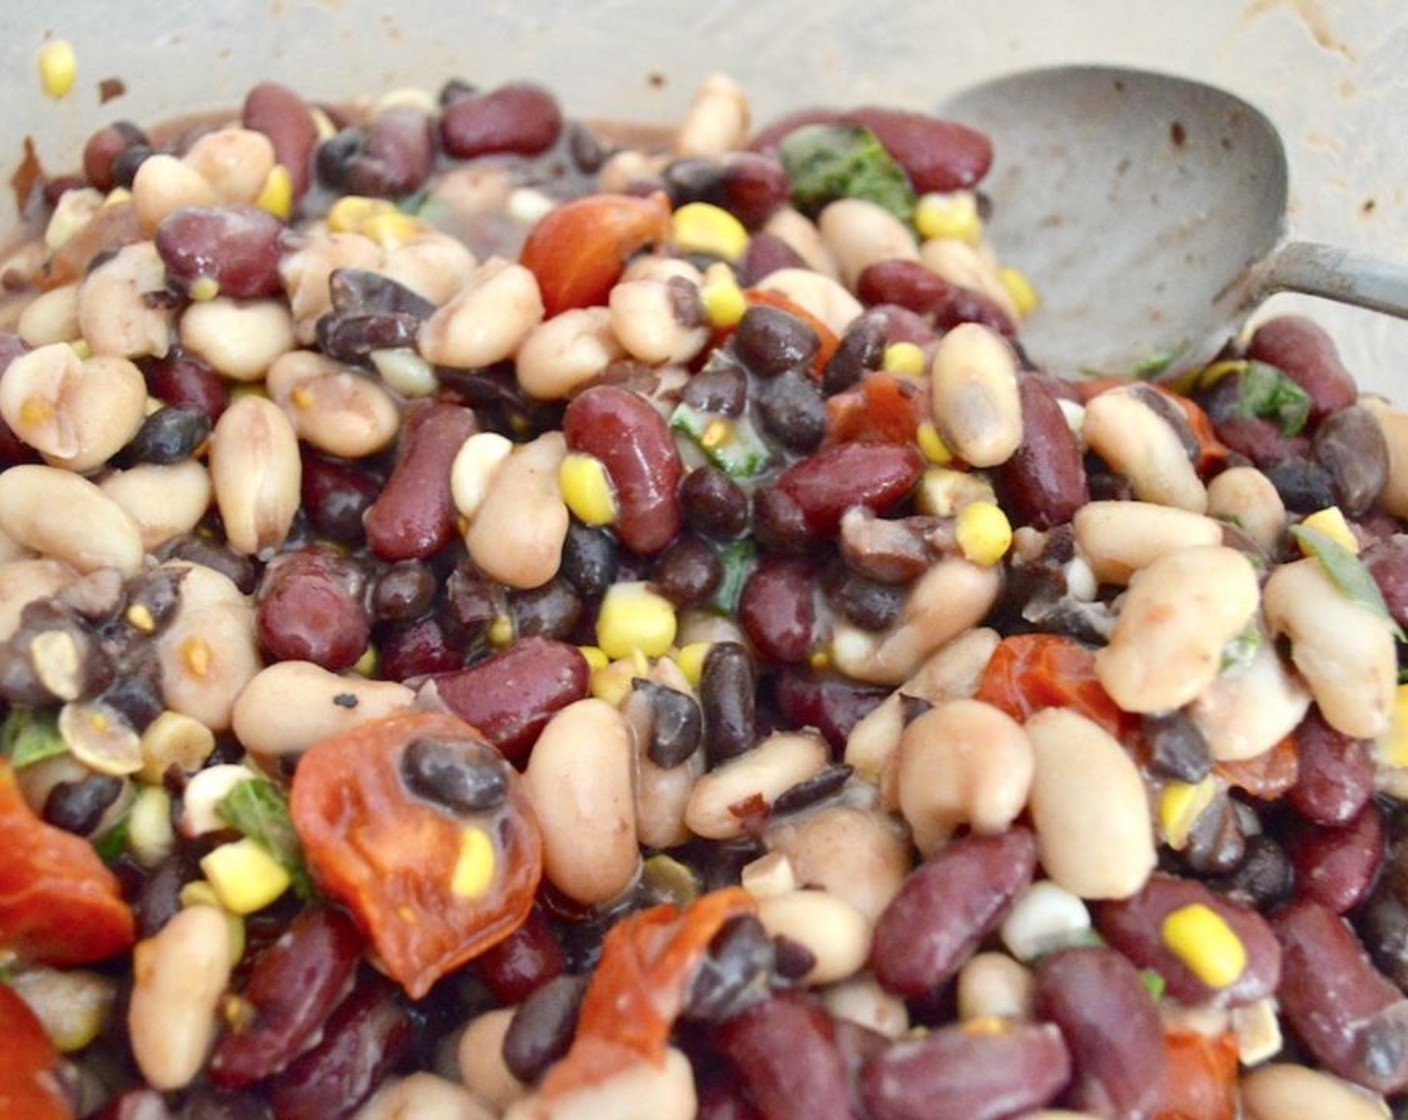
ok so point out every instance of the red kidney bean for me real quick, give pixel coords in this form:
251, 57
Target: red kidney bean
1044, 482
634, 443
752, 187
103, 148
1259, 440
1349, 1015
293, 986
946, 907
722, 1099
284, 117
766, 254
913, 286
1387, 561
181, 378
1134, 926
727, 697
1111, 1026
1304, 351
811, 495
956, 1073
309, 608
833, 705
365, 1038
1350, 445
525, 960
1334, 773
542, 1027
900, 324
936, 154
398, 154
1336, 866
414, 516
236, 246
777, 609
518, 117
785, 1049
511, 695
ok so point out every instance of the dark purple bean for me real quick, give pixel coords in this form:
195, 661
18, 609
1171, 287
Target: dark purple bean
470, 606
812, 495
769, 341
766, 253
1177, 748
518, 117
721, 387
170, 435
946, 907
831, 704
1260, 440
752, 187
1336, 866
1350, 445
238, 569
398, 154
714, 504
937, 155
867, 603
403, 591
726, 695
235, 246
860, 349
208, 1104
890, 551
1111, 1026
1264, 877
542, 1027
1304, 486
688, 572
1044, 482
522, 962
734, 974
336, 497
284, 117
78, 806
691, 179
1349, 1015
549, 611
293, 986
792, 411
1305, 352
777, 610
1383, 920
464, 776
420, 648
1217, 841
900, 324
353, 337
956, 1073
1387, 561
721, 1098
1334, 773
309, 608
181, 378
103, 148
332, 159
811, 791
676, 722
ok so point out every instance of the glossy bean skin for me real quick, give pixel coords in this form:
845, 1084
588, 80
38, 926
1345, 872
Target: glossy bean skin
832, 704
728, 699
936, 154
1336, 866
914, 286
517, 117
1304, 352
1350, 445
1043, 484
283, 116
514, 968
776, 608
806, 502
1112, 1027
542, 1027
310, 609
235, 246
1334, 773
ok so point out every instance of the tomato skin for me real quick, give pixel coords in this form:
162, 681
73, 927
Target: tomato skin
391, 856
883, 408
59, 905
29, 1087
1202, 1077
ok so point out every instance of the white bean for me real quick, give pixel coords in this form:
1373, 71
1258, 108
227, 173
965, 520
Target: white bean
645, 321
164, 184
771, 768
973, 395
201, 798
28, 581
1248, 710
76, 414
860, 233
332, 407
643, 1091
858, 854
967, 266
1088, 805
113, 312
481, 1059
1137, 442
305, 272
50, 316
72, 214
179, 977
816, 292
257, 473
235, 162
91, 530
835, 932
1247, 498
863, 1001
424, 1096
716, 121
993, 985
795, 230
432, 264
566, 353
239, 338
1117, 539
290, 705
1043, 918
516, 536
474, 465
164, 501
1283, 1091
486, 321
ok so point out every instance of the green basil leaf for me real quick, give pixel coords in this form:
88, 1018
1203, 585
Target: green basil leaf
737, 559
27, 737
1347, 572
825, 162
256, 809
1266, 393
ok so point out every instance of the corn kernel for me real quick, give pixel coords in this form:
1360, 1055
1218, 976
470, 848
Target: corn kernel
701, 227
58, 67
984, 534
985, 1025
116, 197
1180, 804
196, 656
587, 489
150, 834
1201, 938
594, 657
769, 876
1392, 749
322, 122
948, 214
81, 347
203, 288
198, 892
276, 196
715, 434
351, 211
367, 662
690, 659
244, 876
724, 302
474, 869
1330, 521
139, 617
1019, 288
390, 229
632, 618
931, 444
819, 661
501, 631
903, 358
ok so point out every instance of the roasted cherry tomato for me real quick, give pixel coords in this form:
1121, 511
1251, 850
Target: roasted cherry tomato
29, 1087
883, 408
1202, 1077
58, 904
424, 831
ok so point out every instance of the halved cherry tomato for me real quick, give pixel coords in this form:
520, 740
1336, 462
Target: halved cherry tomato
28, 1086
395, 857
883, 408
1202, 1077
58, 904
1268, 775
639, 987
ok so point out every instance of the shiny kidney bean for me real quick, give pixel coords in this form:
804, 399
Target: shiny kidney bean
309, 608
1334, 773
462, 776
777, 608
806, 502
1111, 1026
103, 148
542, 1027
688, 572
235, 246
284, 117
1348, 1014
766, 253
1336, 866
634, 443
831, 704
182, 378
727, 696
917, 288
396, 156
937, 155
519, 117
751, 187
414, 516
1304, 352
1350, 445
956, 1073
715, 505
769, 341
529, 957
946, 907
1044, 482
511, 696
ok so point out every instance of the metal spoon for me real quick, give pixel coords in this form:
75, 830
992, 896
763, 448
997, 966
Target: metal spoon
1150, 211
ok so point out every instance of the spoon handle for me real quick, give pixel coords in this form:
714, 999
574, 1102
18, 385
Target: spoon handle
1342, 275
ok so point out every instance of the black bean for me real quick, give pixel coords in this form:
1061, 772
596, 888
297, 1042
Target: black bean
462, 775
677, 723
403, 591
334, 156
336, 497
365, 291
792, 410
453, 90
1304, 486
470, 605
1216, 842
861, 348
159, 897
816, 788
550, 611
1264, 877
585, 149
769, 341
589, 559
1178, 749
78, 806
692, 180
734, 973
126, 163
714, 504
866, 603
721, 387
136, 691
354, 336
542, 1027
1350, 445
170, 435
726, 693
208, 1104
794, 960
1383, 920
196, 549
688, 572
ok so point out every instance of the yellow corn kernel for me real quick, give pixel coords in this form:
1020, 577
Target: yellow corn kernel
244, 876
903, 358
985, 1025
948, 214
474, 869
1392, 749
632, 618
367, 662
723, 300
58, 67
276, 196
349, 212
1200, 937
931, 444
150, 835
500, 630
196, 655
702, 227
1180, 804
1330, 521
390, 229
716, 433
819, 661
116, 197
139, 617
587, 489
322, 122
1024, 297
614, 681
690, 659
203, 288
984, 534
594, 657
81, 347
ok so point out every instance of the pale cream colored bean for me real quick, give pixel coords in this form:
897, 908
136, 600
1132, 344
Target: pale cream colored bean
662, 792
860, 233
863, 1001
795, 230
481, 1059
29, 581
816, 292
332, 407
73, 1004
432, 264
486, 321
93, 532
661, 269
164, 184
406, 372
474, 466
963, 762
74, 210
646, 322
566, 353
1344, 650
1141, 445
771, 768
967, 266
1247, 710
239, 338
1117, 539
875, 739
50, 316
1043, 918
1088, 805
1282, 1091
1257, 1028
628, 168
235, 162
113, 312
173, 740
973, 395
164, 501
768, 875
645, 1090
953, 671
857, 853
179, 977
1174, 622
994, 985
835, 932
424, 1096
306, 269
1246, 497
716, 121
200, 800
517, 534
290, 705
1394, 425
580, 779
257, 473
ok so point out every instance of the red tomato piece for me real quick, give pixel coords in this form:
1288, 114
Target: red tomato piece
58, 904
393, 857
1202, 1077
1267, 776
883, 408
29, 1087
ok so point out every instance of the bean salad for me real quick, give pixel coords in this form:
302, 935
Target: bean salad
508, 615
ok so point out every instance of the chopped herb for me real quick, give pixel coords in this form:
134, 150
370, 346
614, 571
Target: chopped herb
1266, 393
825, 162
737, 559
1347, 572
27, 737
1153, 365
732, 445
257, 810
1241, 650
113, 842
1153, 983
